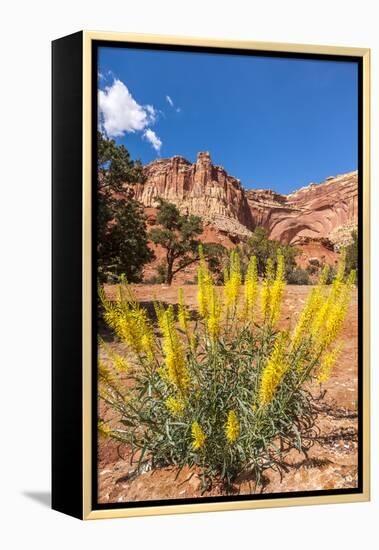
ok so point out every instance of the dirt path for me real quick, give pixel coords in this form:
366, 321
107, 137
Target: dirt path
331, 462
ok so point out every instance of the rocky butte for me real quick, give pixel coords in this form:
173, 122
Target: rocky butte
325, 212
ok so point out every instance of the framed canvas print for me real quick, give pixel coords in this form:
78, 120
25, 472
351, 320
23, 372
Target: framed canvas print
210, 275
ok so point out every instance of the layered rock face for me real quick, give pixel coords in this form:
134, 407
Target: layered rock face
201, 188
326, 212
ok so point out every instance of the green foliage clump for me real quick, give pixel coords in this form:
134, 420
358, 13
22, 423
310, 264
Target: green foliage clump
178, 234
122, 245
352, 253
264, 249
298, 276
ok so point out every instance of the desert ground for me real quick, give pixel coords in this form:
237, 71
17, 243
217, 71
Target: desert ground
331, 463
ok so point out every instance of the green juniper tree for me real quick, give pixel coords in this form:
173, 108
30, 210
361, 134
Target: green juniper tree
122, 245
177, 233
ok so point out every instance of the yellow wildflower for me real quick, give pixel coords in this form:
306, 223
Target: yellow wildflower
232, 428
274, 371
312, 307
213, 322
159, 311
328, 363
145, 332
130, 322
205, 283
266, 290
198, 436
329, 320
175, 406
103, 430
175, 364
338, 312
233, 281
340, 275
118, 361
277, 290
251, 287
104, 374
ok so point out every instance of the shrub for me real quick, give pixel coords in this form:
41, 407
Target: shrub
161, 270
352, 252
298, 277
228, 394
263, 248
332, 272
312, 269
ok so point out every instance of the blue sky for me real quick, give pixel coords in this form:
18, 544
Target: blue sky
271, 122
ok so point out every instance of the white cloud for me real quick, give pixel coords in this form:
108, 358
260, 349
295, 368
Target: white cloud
152, 137
119, 113
169, 100
172, 104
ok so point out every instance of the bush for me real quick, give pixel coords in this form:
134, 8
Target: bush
228, 394
263, 248
312, 269
161, 270
298, 277
352, 252
332, 272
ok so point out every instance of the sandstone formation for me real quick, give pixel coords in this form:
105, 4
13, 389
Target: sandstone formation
325, 212
328, 210
201, 188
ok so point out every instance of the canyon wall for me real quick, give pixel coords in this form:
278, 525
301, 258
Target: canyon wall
327, 211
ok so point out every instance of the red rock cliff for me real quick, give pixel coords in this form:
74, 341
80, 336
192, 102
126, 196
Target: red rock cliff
201, 188
326, 210
319, 211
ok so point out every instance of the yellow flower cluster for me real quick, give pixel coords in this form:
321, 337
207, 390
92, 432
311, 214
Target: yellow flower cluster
130, 322
103, 430
232, 428
329, 319
232, 281
104, 373
277, 291
175, 406
119, 362
198, 436
251, 288
312, 306
328, 363
266, 289
213, 321
175, 364
274, 370
272, 290
205, 285
208, 300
